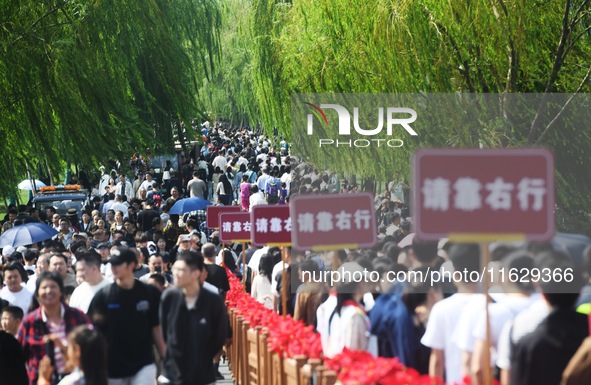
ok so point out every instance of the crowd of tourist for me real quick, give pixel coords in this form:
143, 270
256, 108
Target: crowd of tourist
127, 293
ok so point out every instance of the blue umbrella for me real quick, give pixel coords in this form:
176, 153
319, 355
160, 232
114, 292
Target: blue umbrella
189, 204
27, 234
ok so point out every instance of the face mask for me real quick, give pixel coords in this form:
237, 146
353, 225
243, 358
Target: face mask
158, 269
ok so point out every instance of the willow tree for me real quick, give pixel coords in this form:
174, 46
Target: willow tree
429, 46
228, 94
84, 81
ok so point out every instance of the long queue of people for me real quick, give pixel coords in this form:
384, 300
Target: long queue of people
129, 280
436, 326
143, 290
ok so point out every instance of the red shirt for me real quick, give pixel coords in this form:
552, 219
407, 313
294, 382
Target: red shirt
31, 331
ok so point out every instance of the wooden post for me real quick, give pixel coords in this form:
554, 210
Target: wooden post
254, 363
283, 282
232, 348
292, 368
329, 377
265, 358
308, 371
239, 363
486, 369
244, 356
244, 267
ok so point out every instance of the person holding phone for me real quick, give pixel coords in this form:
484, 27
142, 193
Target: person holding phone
86, 355
156, 264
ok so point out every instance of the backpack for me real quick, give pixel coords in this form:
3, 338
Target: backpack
273, 188
252, 176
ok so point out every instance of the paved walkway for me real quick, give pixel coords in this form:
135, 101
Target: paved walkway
225, 371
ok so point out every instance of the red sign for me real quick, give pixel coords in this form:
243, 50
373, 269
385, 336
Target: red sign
484, 193
212, 213
271, 225
333, 220
234, 227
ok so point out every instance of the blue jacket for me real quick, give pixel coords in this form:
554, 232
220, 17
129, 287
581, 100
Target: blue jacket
393, 324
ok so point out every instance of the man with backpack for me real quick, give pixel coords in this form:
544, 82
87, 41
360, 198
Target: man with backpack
252, 175
273, 188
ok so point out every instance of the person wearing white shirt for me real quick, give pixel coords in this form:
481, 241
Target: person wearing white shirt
277, 271
124, 187
242, 160
286, 178
323, 314
104, 182
261, 284
256, 197
149, 182
15, 292
526, 321
262, 181
41, 266
523, 324
518, 298
88, 267
103, 250
220, 161
462, 334
446, 357
255, 260
347, 325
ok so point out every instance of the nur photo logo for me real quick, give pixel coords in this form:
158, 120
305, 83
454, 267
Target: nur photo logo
393, 118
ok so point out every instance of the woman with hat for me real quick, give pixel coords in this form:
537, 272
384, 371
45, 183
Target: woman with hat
72, 216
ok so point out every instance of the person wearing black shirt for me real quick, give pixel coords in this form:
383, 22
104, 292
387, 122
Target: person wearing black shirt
146, 216
126, 312
216, 275
540, 357
194, 325
12, 365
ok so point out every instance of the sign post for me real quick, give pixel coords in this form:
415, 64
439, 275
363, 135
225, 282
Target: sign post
484, 196
333, 221
213, 212
212, 219
235, 227
271, 225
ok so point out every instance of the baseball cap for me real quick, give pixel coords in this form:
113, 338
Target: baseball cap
121, 255
102, 244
